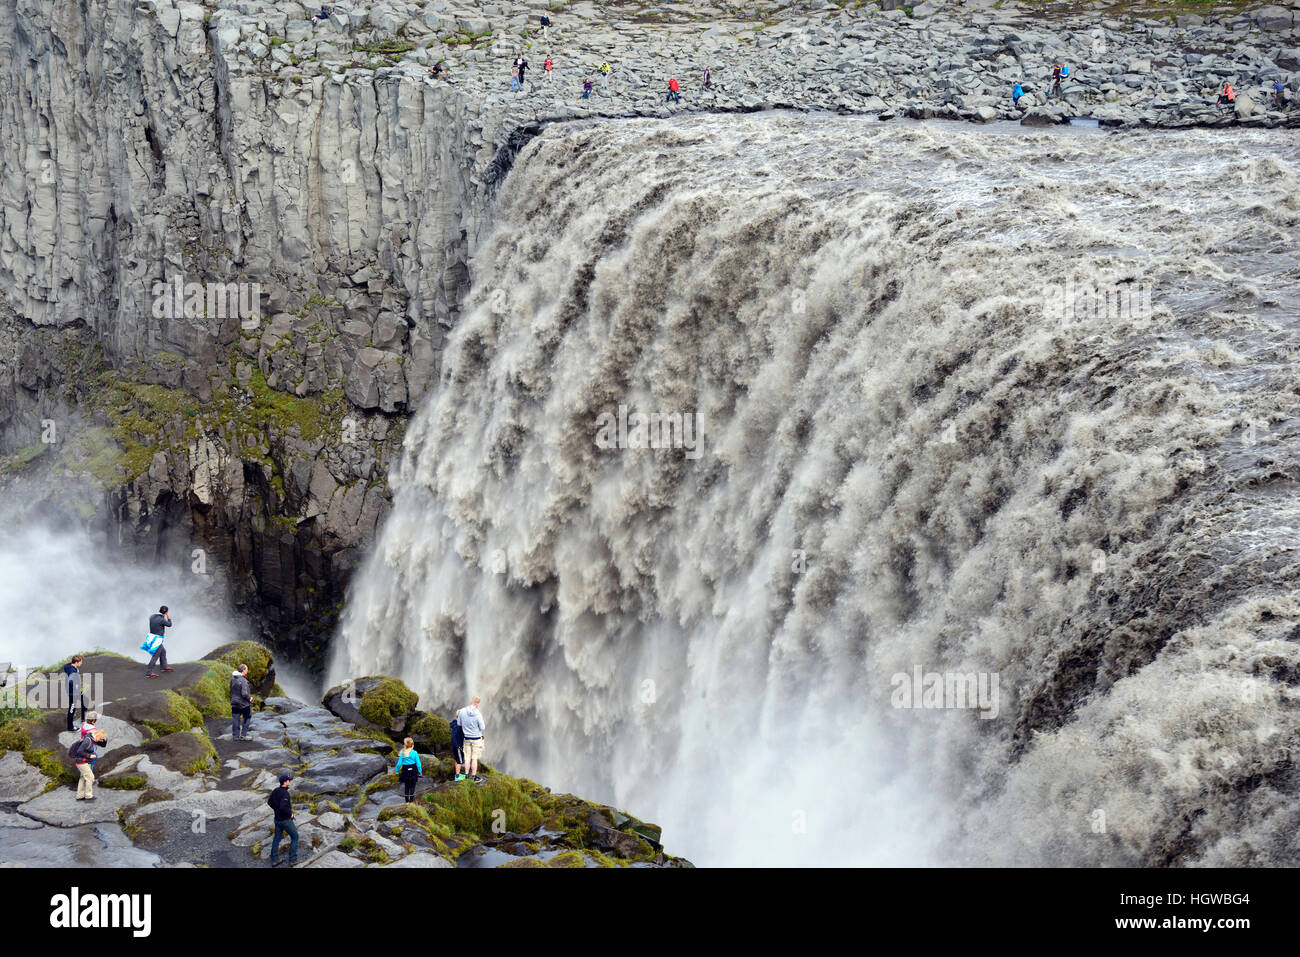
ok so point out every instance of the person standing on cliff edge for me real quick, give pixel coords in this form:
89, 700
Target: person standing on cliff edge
241, 703
471, 727
158, 624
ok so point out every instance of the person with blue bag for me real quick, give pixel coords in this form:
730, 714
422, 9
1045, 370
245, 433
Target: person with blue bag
158, 624
408, 768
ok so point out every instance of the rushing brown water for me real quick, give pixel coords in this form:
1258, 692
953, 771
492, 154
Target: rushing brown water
1019, 406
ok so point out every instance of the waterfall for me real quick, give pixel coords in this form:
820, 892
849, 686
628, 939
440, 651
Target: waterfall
752, 423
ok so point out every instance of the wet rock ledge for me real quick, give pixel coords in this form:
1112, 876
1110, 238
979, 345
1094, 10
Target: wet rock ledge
174, 790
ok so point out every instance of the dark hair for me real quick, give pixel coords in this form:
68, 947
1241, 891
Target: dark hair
76, 658
163, 610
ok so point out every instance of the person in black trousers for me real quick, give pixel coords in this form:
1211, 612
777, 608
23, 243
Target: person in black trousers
158, 625
241, 703
72, 671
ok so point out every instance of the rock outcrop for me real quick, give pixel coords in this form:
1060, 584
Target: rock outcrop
198, 797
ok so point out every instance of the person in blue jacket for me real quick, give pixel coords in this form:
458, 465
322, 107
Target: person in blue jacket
457, 746
408, 768
1016, 93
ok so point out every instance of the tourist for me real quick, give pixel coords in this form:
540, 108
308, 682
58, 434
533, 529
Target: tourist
458, 745
158, 624
708, 77
282, 804
241, 703
437, 70
1017, 92
408, 768
514, 78
1056, 79
471, 726
88, 727
673, 88
605, 70
84, 753
72, 671
1228, 95
586, 88
546, 25
523, 69
546, 68
321, 16
1279, 94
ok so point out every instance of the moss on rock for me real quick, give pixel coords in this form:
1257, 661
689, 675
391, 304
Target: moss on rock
387, 702
431, 732
258, 658
15, 735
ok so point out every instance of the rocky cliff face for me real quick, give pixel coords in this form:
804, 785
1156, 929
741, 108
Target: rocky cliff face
232, 239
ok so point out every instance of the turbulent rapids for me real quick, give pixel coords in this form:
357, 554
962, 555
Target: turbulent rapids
967, 402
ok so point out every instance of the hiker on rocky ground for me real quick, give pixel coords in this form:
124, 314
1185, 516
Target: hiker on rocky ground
408, 768
241, 703
546, 26
1056, 79
546, 68
605, 70
673, 91
282, 804
471, 726
586, 88
84, 753
72, 671
457, 748
437, 70
158, 624
88, 727
708, 77
1228, 96
514, 79
322, 15
1017, 92
523, 69
1279, 94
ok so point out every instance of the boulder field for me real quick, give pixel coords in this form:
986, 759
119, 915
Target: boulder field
173, 789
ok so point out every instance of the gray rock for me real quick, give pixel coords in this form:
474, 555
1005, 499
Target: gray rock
421, 859
335, 859
19, 781
61, 808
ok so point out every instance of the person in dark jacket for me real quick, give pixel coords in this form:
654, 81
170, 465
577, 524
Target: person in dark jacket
281, 803
84, 753
72, 671
158, 625
457, 747
241, 703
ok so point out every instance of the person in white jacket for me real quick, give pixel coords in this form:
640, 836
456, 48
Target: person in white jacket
472, 726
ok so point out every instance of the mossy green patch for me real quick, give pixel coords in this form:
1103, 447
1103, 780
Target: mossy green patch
388, 700
127, 782
258, 658
499, 804
207, 760
211, 693
15, 736
432, 730
181, 716
49, 765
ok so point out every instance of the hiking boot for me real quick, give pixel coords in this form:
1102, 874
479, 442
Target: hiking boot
151, 675
169, 669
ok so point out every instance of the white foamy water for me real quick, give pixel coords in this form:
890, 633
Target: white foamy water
909, 459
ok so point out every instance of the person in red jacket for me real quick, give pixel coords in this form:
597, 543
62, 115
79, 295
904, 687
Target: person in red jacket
1227, 96
673, 88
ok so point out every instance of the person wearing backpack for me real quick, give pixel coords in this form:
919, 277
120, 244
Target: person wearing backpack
241, 703
158, 625
408, 768
282, 804
457, 747
84, 754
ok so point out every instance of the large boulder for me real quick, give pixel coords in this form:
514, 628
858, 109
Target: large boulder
378, 702
338, 773
189, 752
19, 781
1245, 106
163, 712
261, 665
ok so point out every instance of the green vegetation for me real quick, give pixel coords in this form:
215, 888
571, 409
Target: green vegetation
182, 716
14, 735
128, 782
48, 763
388, 700
432, 730
205, 760
474, 810
392, 47
211, 693
20, 460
